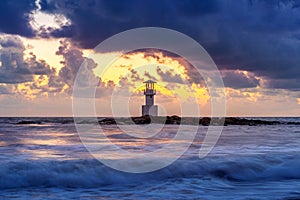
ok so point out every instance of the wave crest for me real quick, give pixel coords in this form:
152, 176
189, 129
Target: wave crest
91, 173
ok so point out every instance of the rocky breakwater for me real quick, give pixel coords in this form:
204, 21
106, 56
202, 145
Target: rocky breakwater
204, 121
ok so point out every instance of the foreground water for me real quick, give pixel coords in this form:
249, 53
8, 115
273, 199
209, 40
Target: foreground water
47, 160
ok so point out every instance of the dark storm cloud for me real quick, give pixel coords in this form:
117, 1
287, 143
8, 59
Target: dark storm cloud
65, 31
93, 21
259, 36
239, 80
14, 17
291, 84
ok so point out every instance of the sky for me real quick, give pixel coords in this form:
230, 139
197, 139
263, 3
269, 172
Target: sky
254, 43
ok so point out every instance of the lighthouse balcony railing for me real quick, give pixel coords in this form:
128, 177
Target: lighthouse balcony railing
150, 92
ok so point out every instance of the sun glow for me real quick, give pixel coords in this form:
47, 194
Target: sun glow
43, 49
135, 61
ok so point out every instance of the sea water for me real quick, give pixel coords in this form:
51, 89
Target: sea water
44, 158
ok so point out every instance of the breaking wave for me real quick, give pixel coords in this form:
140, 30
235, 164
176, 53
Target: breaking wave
93, 174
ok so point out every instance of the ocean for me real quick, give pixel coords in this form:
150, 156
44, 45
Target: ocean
44, 158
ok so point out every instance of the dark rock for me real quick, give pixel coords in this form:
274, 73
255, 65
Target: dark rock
293, 123
205, 121
249, 122
142, 120
107, 121
29, 122
173, 120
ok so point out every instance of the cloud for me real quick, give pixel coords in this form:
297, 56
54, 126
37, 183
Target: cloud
169, 76
80, 68
37, 77
104, 90
14, 69
6, 89
11, 42
261, 37
256, 36
290, 84
149, 76
73, 59
94, 21
134, 76
238, 79
15, 17
64, 31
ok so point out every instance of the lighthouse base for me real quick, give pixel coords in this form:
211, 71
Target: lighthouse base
149, 110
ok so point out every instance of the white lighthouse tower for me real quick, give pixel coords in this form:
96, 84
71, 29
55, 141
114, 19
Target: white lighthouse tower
149, 92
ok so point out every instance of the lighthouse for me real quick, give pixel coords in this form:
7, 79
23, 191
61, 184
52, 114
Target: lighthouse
149, 108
